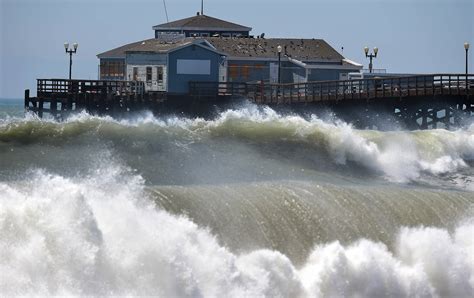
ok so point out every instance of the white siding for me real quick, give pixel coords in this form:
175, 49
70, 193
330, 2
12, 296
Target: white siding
154, 84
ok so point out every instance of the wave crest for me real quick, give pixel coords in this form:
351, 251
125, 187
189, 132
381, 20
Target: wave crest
399, 156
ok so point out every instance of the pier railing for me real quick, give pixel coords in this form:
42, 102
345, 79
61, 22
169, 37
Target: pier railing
365, 89
62, 87
205, 90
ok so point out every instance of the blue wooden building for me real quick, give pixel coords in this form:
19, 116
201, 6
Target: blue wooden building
203, 48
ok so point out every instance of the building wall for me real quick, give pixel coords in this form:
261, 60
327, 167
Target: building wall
326, 74
267, 71
147, 58
150, 68
248, 71
186, 65
204, 33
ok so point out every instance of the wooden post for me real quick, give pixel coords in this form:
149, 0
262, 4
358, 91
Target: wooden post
40, 107
53, 104
27, 99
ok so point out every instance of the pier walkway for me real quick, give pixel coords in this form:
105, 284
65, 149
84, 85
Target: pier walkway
421, 101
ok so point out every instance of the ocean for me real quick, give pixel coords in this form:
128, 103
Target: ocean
251, 203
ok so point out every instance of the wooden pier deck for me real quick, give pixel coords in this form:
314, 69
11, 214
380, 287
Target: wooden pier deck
59, 96
421, 101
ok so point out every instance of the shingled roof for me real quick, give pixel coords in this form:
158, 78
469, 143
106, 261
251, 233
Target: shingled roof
200, 22
120, 51
300, 49
160, 46
153, 45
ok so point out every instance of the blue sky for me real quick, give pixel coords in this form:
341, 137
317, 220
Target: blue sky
414, 36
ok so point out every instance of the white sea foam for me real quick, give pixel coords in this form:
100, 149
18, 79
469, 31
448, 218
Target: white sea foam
98, 235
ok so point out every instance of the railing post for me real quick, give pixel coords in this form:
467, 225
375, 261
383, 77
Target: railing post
433, 85
449, 84
441, 84
458, 87
424, 85
416, 86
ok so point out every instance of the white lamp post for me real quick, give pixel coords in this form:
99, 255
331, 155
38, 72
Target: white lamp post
371, 56
70, 52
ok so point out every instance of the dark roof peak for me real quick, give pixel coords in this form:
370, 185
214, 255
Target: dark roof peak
201, 21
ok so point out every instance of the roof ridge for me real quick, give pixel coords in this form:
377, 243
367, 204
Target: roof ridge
189, 22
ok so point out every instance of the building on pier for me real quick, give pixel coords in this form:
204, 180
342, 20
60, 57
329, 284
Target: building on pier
207, 49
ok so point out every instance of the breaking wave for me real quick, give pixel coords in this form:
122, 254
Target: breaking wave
398, 156
100, 234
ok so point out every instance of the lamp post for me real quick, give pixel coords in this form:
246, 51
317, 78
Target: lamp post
70, 52
279, 70
371, 56
279, 48
466, 47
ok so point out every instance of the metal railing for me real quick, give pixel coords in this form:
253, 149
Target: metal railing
375, 70
63, 87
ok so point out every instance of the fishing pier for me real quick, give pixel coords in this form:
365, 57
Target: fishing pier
419, 102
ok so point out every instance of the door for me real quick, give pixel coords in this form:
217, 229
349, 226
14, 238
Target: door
223, 72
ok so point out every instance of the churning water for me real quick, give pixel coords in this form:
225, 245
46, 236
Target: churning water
250, 204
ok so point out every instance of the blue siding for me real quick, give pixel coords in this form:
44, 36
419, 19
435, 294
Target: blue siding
325, 74
179, 83
146, 58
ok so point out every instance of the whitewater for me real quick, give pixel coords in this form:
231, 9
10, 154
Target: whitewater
252, 203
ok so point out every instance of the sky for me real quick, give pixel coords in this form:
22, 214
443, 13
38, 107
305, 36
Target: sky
413, 36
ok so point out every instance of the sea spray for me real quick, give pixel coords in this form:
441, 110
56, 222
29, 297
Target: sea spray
100, 235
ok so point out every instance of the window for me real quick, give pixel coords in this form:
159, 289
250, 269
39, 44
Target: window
159, 71
112, 69
149, 74
135, 73
245, 71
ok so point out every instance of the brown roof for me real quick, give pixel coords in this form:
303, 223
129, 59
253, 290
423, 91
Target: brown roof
300, 49
159, 46
153, 45
120, 51
202, 21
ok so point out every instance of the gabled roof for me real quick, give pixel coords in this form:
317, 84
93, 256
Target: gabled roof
120, 51
155, 45
300, 49
201, 22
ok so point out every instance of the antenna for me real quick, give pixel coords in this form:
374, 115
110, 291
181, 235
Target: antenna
202, 7
166, 11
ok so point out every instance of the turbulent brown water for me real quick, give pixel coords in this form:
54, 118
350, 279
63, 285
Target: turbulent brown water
252, 203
